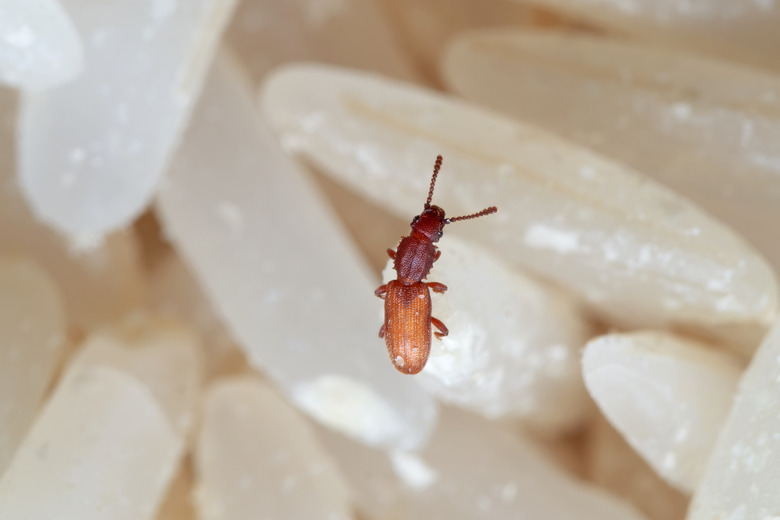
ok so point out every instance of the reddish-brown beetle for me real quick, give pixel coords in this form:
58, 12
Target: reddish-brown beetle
407, 327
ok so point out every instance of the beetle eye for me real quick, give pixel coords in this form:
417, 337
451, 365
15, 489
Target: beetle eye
415, 219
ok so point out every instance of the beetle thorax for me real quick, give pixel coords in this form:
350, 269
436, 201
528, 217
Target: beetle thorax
414, 259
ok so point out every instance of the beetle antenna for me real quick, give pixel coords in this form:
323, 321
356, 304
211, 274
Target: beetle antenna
486, 211
436, 167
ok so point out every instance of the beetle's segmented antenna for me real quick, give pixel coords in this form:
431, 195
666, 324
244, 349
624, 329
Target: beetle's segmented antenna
486, 211
436, 167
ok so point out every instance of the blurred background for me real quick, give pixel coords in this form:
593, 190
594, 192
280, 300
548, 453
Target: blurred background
196, 199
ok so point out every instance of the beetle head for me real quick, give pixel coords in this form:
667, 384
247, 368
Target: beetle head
429, 224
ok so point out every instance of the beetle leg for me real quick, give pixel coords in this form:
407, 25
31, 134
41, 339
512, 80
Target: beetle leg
437, 287
438, 254
439, 325
382, 331
380, 292
391, 253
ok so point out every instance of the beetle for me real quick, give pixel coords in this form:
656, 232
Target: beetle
408, 320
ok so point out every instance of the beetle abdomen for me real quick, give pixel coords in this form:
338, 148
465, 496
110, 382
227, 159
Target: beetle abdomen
408, 325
